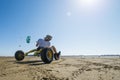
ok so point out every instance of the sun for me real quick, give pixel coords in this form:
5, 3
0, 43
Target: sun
90, 4
90, 7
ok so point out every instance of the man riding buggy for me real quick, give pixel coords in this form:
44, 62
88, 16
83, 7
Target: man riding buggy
44, 49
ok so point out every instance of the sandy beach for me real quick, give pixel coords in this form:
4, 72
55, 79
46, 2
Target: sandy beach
67, 68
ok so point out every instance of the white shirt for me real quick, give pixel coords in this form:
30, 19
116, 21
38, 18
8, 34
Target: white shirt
43, 43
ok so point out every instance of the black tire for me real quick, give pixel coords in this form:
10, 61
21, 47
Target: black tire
47, 55
19, 55
56, 57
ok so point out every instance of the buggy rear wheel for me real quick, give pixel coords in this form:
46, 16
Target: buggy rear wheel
19, 55
47, 55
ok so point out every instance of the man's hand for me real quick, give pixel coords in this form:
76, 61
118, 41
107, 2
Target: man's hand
36, 44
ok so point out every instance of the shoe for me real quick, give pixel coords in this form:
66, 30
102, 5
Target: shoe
58, 54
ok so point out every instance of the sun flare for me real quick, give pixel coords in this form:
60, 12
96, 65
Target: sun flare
91, 5
89, 2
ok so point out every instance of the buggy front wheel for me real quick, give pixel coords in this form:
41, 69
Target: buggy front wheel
19, 55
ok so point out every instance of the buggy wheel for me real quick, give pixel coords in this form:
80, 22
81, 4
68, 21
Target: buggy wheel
19, 55
47, 55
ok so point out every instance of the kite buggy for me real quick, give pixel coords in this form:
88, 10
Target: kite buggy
44, 50
46, 55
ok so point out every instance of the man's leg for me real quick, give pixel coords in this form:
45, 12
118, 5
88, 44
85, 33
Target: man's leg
55, 51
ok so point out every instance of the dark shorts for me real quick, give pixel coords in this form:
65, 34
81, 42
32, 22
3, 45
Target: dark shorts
39, 48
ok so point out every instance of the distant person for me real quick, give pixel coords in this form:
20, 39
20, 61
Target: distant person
44, 43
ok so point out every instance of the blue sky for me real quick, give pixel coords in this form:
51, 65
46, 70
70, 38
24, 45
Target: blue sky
78, 27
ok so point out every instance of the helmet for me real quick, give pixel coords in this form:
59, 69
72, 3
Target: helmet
48, 37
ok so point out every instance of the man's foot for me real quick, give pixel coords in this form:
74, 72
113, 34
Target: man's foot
58, 54
26, 54
35, 54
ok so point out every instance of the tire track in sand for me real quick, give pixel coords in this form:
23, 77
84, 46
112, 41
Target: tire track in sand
87, 65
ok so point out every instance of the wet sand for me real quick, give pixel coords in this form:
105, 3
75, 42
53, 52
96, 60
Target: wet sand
67, 68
